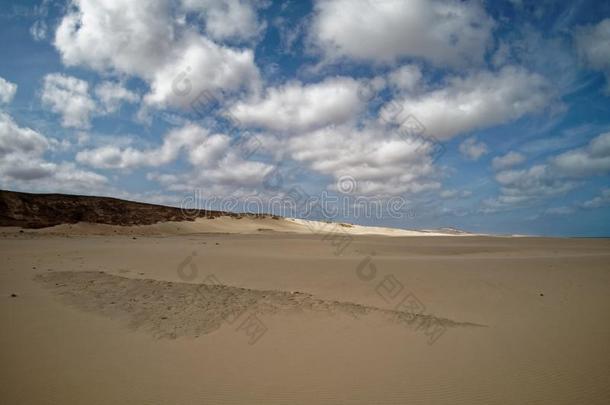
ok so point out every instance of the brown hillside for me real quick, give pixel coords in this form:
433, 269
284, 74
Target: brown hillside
42, 210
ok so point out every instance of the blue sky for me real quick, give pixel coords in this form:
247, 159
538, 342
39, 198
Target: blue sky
489, 116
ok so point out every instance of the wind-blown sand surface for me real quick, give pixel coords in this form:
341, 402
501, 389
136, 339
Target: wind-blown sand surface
177, 314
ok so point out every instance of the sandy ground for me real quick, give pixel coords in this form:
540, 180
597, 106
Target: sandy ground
277, 318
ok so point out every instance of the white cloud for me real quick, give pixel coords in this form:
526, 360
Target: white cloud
472, 149
563, 210
593, 45
295, 107
217, 163
477, 101
22, 164
189, 137
201, 65
527, 186
593, 159
382, 163
112, 94
599, 201
406, 78
450, 194
228, 19
509, 160
602, 200
147, 40
17, 140
443, 32
564, 139
45, 176
25, 168
38, 30
557, 176
67, 175
69, 97
128, 36
533, 48
7, 91
230, 176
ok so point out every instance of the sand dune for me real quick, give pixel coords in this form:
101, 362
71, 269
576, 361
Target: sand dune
227, 224
61, 214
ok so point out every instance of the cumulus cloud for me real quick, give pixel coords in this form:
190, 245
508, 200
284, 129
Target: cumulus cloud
509, 160
127, 36
593, 159
477, 101
112, 94
527, 186
405, 78
69, 97
521, 188
201, 66
182, 49
381, 163
230, 176
599, 201
7, 91
296, 107
147, 40
17, 140
442, 32
45, 176
472, 149
558, 175
191, 137
216, 161
593, 45
602, 200
22, 162
228, 19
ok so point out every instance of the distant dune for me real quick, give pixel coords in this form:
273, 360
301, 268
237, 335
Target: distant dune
73, 214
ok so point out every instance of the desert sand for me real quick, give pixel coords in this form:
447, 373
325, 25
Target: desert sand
261, 310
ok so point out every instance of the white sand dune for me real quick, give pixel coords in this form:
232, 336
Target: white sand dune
231, 225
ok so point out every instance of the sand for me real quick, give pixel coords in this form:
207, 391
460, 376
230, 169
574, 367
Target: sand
157, 315
229, 225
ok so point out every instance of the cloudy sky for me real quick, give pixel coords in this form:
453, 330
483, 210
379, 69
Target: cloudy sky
489, 116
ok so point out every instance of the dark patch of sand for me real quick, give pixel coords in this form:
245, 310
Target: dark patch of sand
169, 309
